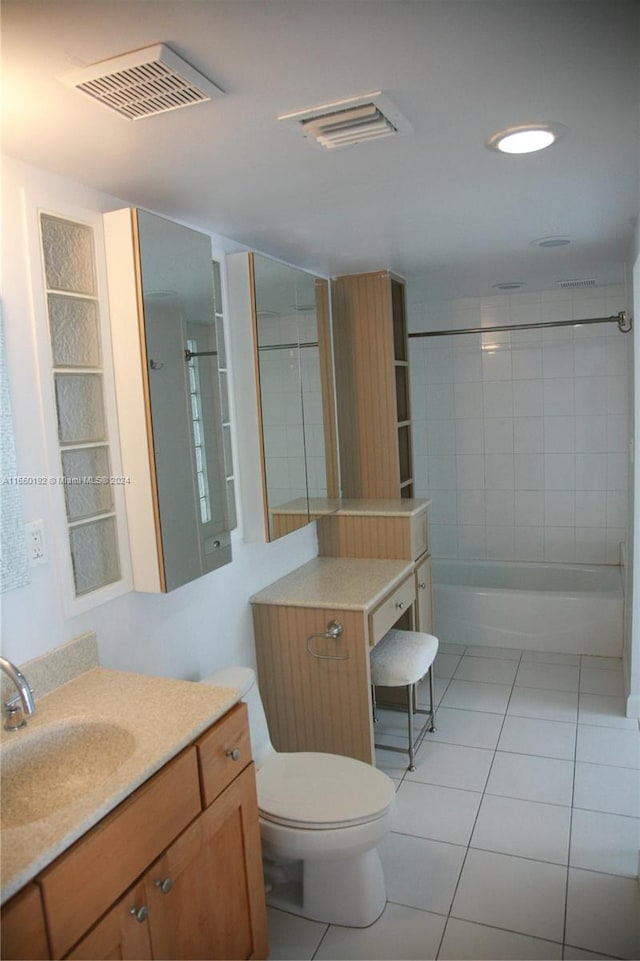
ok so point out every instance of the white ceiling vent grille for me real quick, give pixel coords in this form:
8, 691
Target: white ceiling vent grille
580, 282
345, 123
143, 83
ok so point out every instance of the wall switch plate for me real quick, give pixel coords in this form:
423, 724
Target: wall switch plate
36, 546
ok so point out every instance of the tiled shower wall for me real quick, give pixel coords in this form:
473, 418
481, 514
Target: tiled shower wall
521, 439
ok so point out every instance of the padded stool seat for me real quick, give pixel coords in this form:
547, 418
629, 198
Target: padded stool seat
403, 659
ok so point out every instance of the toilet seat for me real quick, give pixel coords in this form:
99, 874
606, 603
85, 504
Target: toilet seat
315, 791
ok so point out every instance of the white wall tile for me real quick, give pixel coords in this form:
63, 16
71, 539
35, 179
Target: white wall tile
469, 435
526, 362
498, 398
527, 442
527, 398
558, 396
498, 435
528, 434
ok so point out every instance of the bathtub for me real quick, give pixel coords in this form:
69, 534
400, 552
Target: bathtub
573, 609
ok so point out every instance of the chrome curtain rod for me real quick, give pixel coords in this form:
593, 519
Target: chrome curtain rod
619, 319
294, 346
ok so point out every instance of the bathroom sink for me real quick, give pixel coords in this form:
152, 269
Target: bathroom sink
52, 767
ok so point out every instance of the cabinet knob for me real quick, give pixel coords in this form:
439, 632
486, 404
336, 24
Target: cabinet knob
233, 753
140, 914
423, 586
400, 605
164, 884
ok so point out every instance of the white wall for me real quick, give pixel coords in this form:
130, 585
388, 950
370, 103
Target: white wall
206, 624
521, 438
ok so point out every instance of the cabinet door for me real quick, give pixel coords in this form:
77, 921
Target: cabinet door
206, 893
24, 934
424, 605
122, 933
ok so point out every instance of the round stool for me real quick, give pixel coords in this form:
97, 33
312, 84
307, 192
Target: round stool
403, 659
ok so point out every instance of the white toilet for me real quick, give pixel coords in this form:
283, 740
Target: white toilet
321, 817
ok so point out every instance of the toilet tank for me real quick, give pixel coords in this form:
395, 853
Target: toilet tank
243, 679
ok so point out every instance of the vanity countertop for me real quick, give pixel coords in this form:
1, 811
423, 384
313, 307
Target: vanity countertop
398, 507
161, 716
344, 583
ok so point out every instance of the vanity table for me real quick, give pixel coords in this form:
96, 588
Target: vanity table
314, 627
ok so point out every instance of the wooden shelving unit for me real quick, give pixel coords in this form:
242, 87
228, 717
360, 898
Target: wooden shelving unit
372, 385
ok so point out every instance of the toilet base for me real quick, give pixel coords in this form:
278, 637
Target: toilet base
346, 891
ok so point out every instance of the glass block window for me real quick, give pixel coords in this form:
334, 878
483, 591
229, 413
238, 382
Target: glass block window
73, 311
198, 434
224, 398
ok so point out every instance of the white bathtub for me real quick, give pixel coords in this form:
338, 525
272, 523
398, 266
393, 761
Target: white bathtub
573, 609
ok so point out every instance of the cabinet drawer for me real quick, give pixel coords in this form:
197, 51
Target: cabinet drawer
85, 881
385, 616
223, 752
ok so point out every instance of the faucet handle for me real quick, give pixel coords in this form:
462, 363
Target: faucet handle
14, 715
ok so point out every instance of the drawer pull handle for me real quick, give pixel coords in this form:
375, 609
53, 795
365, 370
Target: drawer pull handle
234, 753
423, 585
164, 884
400, 605
140, 914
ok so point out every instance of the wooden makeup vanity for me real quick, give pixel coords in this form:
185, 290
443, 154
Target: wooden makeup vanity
315, 626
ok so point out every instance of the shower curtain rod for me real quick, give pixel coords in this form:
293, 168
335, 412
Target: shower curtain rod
619, 319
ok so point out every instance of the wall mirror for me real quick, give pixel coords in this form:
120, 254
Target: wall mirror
166, 270
292, 331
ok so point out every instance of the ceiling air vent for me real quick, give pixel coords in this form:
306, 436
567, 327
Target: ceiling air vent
580, 282
345, 123
143, 83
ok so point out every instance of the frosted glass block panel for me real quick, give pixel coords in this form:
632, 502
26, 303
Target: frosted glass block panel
86, 488
80, 408
228, 454
94, 554
222, 351
68, 255
231, 505
75, 335
224, 398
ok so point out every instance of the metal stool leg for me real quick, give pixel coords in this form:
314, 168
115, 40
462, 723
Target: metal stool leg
432, 701
410, 697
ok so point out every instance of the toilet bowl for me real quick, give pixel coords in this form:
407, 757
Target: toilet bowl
321, 819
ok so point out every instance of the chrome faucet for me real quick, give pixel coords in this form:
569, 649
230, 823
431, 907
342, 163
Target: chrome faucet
23, 703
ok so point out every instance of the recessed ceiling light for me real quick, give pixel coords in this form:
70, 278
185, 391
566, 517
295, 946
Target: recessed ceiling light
525, 138
510, 285
551, 242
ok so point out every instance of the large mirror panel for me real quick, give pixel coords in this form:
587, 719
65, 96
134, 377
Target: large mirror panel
295, 373
163, 322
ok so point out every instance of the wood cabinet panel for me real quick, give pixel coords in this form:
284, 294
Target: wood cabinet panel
114, 853
122, 933
424, 601
312, 703
216, 752
24, 935
206, 893
372, 385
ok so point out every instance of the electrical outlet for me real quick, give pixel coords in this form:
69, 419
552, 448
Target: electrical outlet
36, 547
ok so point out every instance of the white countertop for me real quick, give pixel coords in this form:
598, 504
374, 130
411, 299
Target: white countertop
162, 716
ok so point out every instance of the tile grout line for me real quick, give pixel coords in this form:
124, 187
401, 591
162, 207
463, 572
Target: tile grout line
475, 820
573, 797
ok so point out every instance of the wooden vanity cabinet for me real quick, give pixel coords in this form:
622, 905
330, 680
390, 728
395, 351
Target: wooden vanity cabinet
24, 934
372, 385
175, 871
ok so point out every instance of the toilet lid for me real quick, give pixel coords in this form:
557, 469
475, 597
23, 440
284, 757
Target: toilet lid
321, 790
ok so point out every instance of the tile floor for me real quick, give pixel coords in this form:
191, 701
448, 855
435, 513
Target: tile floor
517, 836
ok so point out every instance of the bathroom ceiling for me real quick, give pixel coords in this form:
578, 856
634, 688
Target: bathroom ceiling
435, 205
